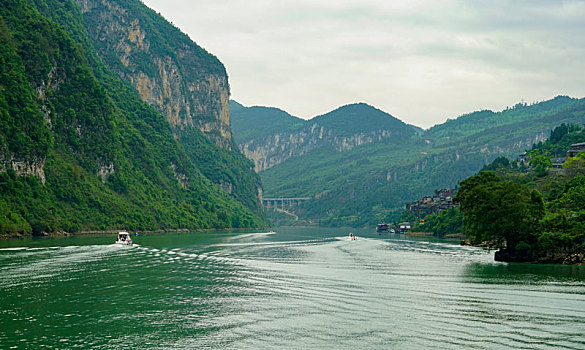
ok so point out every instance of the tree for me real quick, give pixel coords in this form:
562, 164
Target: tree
447, 222
575, 166
502, 214
498, 163
541, 163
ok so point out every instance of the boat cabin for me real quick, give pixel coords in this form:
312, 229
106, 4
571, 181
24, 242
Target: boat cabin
403, 227
383, 227
124, 238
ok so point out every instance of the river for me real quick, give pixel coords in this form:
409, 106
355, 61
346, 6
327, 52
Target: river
302, 288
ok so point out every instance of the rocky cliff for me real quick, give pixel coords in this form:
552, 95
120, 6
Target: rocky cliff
277, 148
186, 84
338, 131
182, 81
80, 150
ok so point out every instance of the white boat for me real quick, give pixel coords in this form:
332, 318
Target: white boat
124, 238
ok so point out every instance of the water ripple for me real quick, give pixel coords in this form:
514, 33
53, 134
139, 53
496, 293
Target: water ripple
259, 290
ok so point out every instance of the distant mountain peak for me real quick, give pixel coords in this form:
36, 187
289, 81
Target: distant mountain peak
361, 117
357, 106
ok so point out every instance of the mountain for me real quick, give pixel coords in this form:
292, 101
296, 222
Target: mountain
361, 183
79, 148
185, 83
361, 118
269, 136
257, 122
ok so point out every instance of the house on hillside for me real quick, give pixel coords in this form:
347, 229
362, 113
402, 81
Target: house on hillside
575, 148
557, 163
442, 200
524, 158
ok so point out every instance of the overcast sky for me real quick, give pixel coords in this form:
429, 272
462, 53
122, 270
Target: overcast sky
422, 61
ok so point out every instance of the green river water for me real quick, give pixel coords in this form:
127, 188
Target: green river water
299, 288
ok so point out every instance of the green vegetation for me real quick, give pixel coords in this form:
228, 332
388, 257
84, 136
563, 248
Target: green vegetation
502, 213
142, 44
258, 122
360, 117
505, 209
24, 131
108, 160
561, 138
447, 222
224, 167
372, 181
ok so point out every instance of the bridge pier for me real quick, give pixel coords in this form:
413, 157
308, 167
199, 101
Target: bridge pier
283, 202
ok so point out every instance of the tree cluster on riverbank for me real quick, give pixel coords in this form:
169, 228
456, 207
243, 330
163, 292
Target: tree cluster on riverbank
530, 212
447, 222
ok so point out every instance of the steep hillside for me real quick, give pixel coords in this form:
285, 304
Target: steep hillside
188, 85
361, 118
539, 214
335, 132
371, 181
475, 122
258, 122
182, 81
84, 153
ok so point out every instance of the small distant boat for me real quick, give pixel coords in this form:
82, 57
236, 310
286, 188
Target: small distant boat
383, 227
403, 227
124, 238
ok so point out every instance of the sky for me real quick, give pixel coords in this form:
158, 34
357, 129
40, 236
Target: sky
422, 61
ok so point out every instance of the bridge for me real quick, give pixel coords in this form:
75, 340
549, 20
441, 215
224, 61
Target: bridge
282, 202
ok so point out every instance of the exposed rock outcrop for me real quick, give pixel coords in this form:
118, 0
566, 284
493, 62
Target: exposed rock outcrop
277, 148
181, 80
24, 167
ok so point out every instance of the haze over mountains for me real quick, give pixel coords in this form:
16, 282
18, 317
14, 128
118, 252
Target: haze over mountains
112, 118
360, 165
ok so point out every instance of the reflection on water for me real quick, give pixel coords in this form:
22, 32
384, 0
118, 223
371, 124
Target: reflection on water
524, 273
298, 288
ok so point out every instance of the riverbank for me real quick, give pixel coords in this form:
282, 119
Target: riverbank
59, 234
551, 256
557, 255
430, 234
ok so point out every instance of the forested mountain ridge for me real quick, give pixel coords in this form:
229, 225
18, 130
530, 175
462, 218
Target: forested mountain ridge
257, 122
79, 150
485, 119
371, 182
271, 136
362, 118
185, 83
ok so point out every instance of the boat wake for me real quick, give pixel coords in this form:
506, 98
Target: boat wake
26, 265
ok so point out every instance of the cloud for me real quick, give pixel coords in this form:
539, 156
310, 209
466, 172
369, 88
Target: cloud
422, 61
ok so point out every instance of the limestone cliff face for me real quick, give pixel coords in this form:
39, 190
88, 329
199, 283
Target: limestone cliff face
181, 80
270, 136
185, 83
277, 148
272, 150
24, 167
